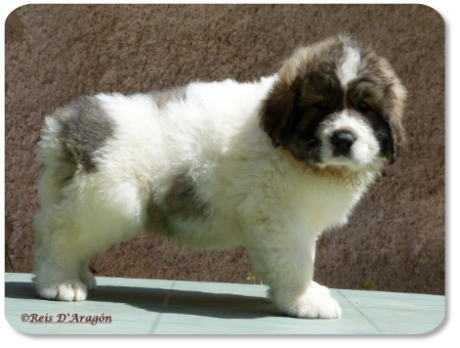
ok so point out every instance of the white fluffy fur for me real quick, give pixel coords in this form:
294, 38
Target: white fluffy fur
261, 196
349, 69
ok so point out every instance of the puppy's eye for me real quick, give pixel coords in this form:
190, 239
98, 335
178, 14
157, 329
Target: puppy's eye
322, 105
363, 107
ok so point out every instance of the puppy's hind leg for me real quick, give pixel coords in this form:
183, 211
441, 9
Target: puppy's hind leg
94, 215
59, 253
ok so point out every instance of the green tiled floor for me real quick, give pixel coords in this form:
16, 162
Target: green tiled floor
145, 306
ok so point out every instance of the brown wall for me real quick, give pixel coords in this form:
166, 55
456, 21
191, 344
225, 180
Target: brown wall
57, 52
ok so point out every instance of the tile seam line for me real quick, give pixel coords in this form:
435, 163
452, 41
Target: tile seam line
158, 318
365, 316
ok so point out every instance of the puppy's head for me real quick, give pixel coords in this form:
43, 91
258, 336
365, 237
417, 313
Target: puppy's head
336, 103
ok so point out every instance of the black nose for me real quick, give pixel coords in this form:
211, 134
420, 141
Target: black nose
342, 142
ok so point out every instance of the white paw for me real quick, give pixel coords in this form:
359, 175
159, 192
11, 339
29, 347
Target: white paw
88, 279
315, 303
72, 291
321, 307
65, 291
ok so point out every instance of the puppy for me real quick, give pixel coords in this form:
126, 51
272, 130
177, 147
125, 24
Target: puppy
269, 165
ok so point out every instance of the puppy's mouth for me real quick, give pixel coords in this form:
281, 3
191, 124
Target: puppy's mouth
342, 149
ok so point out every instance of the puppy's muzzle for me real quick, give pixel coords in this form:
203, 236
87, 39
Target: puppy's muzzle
342, 141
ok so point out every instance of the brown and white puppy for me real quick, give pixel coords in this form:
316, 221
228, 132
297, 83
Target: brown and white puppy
269, 165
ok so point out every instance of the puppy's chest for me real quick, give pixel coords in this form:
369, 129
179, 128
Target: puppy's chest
326, 205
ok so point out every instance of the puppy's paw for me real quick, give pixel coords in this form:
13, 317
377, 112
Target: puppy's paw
72, 291
88, 279
317, 307
316, 303
66, 291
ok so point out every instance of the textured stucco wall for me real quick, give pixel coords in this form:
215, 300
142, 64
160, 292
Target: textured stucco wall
57, 52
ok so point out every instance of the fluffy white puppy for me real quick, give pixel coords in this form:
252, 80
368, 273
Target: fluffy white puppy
268, 165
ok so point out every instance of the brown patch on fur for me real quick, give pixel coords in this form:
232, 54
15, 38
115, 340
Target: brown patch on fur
277, 110
307, 77
381, 89
162, 98
84, 129
398, 135
179, 203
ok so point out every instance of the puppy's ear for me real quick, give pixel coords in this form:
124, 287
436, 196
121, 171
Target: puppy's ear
397, 138
277, 112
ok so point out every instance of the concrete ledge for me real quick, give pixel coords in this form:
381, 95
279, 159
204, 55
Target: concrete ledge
162, 307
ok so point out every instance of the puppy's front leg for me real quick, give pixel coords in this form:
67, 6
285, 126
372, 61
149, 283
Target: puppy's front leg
284, 261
